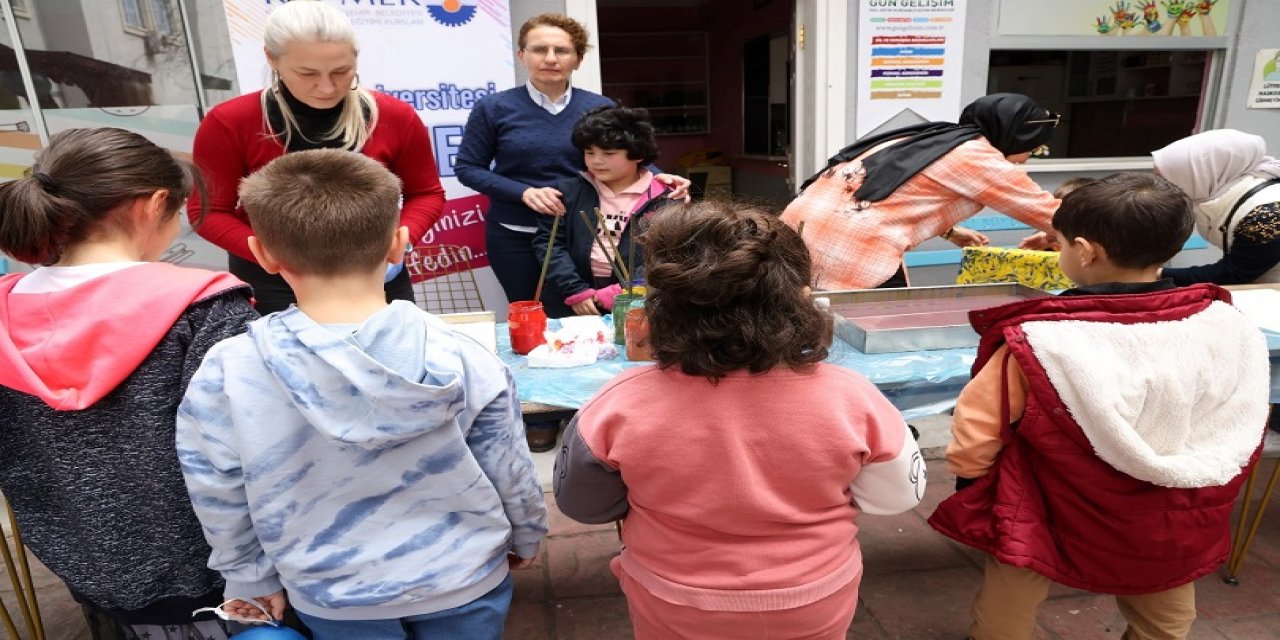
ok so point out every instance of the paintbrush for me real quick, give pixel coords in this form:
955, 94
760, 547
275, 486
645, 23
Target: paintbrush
631, 252
612, 265
608, 234
546, 259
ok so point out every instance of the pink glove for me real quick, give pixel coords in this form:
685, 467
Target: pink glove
606, 295
585, 294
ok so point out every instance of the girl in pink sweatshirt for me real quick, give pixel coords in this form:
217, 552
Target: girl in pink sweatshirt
746, 458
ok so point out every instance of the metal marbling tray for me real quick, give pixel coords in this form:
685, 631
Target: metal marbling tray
915, 318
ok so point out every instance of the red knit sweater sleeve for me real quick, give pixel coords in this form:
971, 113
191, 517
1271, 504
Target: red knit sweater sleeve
221, 152
413, 161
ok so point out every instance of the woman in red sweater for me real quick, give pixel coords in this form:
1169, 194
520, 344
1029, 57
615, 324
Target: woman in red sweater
315, 101
741, 516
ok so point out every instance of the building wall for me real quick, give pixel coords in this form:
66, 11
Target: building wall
1253, 28
1258, 27
212, 41
95, 29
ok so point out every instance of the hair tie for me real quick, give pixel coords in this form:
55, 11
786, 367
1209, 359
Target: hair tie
46, 183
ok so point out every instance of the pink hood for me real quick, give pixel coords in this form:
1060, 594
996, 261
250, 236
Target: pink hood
73, 347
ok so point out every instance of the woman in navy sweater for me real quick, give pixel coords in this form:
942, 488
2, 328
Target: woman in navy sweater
524, 133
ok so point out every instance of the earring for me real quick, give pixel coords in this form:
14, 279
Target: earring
355, 82
275, 81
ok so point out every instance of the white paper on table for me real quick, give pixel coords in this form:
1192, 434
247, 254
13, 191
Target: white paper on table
583, 324
479, 325
1262, 306
542, 357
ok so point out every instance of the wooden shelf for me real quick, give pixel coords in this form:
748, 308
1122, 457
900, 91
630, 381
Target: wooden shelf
678, 107
1082, 99
607, 59
682, 107
663, 83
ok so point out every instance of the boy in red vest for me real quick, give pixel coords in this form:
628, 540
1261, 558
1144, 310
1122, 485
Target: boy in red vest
1106, 431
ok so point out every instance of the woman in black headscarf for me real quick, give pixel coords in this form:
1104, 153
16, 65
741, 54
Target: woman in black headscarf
885, 194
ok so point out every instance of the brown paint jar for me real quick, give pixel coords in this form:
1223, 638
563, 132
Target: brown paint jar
637, 334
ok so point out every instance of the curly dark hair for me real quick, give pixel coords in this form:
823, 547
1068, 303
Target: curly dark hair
617, 128
728, 291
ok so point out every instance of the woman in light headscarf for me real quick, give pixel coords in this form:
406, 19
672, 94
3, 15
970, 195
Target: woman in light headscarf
885, 194
1236, 190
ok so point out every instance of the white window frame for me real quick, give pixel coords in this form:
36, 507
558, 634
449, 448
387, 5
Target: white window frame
141, 29
146, 12
1212, 93
154, 23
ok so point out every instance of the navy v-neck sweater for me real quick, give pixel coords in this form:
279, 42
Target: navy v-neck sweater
526, 145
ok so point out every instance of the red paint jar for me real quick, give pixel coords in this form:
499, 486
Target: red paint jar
527, 322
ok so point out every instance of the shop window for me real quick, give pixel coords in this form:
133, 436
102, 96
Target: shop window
1113, 103
113, 78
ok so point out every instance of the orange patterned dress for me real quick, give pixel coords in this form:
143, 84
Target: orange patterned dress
859, 245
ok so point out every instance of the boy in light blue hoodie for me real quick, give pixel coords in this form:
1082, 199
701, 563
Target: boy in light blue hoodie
357, 454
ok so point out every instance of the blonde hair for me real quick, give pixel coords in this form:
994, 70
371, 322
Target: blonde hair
318, 21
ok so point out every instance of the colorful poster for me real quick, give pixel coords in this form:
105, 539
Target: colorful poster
411, 51
1264, 85
909, 59
1113, 18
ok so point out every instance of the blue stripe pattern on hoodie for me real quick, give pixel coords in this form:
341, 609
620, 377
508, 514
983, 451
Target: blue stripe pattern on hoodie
375, 475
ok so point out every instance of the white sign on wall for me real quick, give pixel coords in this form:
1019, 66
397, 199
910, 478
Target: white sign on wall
909, 58
1264, 85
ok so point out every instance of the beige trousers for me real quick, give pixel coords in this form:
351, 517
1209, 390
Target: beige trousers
1005, 608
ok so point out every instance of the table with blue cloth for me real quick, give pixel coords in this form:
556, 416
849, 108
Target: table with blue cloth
918, 383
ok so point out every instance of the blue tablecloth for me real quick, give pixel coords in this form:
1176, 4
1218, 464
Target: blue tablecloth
918, 383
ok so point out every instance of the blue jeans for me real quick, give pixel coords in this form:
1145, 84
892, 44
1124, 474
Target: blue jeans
480, 619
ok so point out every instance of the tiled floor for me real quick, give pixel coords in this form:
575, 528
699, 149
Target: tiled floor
917, 586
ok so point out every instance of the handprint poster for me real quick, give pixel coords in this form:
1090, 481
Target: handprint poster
1264, 89
1114, 18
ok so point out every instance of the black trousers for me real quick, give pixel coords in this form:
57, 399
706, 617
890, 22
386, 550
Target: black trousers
896, 281
271, 293
512, 259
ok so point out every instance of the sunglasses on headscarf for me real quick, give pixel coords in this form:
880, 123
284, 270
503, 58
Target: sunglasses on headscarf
1053, 119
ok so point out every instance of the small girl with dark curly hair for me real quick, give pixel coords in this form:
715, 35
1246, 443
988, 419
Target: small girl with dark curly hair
617, 144
746, 459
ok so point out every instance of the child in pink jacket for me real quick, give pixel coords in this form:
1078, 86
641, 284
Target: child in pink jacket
746, 459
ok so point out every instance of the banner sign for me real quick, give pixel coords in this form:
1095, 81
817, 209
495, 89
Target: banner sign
410, 49
1114, 18
909, 59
